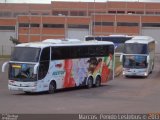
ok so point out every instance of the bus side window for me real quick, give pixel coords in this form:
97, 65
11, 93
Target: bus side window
91, 51
56, 53
44, 63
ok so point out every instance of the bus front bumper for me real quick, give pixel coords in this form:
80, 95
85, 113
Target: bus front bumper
24, 89
133, 72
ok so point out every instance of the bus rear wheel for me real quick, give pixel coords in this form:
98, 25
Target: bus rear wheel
98, 82
52, 87
90, 83
27, 93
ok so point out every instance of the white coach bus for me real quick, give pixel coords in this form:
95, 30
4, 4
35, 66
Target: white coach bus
57, 64
138, 57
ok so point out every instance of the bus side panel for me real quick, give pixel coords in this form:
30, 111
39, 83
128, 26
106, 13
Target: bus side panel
69, 72
105, 68
57, 72
74, 72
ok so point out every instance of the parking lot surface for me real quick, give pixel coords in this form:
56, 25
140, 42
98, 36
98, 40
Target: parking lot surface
121, 95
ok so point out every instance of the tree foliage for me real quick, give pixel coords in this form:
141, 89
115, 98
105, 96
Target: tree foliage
14, 40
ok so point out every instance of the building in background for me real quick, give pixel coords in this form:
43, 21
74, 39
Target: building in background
36, 22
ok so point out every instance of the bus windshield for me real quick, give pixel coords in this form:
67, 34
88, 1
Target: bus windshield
25, 54
135, 48
134, 61
21, 72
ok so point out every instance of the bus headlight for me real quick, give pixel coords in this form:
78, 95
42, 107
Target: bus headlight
123, 72
145, 74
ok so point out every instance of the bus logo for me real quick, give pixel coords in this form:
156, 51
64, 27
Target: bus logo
58, 73
58, 65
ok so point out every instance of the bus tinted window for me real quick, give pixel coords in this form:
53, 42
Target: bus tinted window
45, 55
68, 52
60, 53
117, 40
25, 54
109, 38
44, 63
134, 48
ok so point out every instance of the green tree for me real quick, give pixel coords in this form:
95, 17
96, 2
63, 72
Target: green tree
14, 40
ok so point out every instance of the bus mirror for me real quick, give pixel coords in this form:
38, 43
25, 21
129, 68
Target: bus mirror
148, 59
121, 57
4, 66
36, 68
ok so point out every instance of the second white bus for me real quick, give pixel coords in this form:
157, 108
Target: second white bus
139, 55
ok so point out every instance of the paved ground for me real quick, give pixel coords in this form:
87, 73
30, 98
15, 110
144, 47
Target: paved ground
122, 95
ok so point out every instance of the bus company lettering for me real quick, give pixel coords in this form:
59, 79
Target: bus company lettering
58, 72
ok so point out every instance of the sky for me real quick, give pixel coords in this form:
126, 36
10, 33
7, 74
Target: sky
49, 1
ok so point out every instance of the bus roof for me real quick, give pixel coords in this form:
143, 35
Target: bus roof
140, 39
58, 42
110, 36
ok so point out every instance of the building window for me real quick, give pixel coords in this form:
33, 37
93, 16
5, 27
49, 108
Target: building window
34, 13
74, 13
35, 25
7, 27
65, 13
149, 12
150, 24
77, 13
120, 12
18, 13
53, 25
5, 14
91, 13
81, 13
104, 23
102, 12
139, 12
55, 12
78, 26
157, 12
131, 12
127, 24
23, 24
112, 12
45, 13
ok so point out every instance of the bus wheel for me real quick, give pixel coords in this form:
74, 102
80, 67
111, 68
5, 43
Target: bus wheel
98, 82
126, 76
90, 83
52, 87
27, 93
